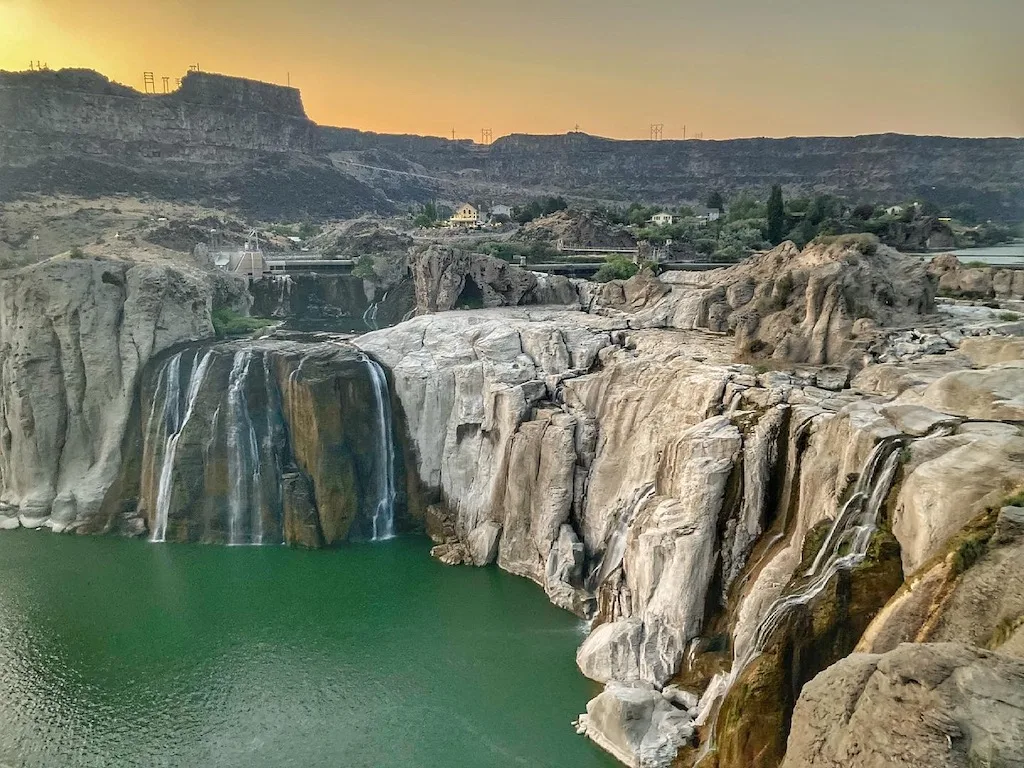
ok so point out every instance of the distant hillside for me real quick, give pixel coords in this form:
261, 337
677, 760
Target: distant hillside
238, 143
220, 140
988, 173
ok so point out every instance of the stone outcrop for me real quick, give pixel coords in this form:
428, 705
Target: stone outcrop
576, 229
450, 278
944, 705
820, 305
959, 281
75, 336
677, 498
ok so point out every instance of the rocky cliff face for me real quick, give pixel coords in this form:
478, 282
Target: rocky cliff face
956, 280
730, 531
245, 143
74, 339
821, 305
985, 172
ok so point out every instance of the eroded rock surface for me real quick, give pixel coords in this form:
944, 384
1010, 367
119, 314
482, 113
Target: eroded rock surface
945, 705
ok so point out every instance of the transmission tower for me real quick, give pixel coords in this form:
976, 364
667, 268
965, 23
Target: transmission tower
657, 130
148, 83
486, 136
167, 84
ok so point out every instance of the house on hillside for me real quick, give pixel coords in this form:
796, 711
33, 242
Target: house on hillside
465, 216
662, 219
706, 215
501, 210
894, 210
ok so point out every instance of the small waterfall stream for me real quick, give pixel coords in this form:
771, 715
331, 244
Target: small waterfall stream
844, 547
244, 471
174, 425
384, 510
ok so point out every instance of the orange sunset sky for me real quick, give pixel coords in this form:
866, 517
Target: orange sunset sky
728, 69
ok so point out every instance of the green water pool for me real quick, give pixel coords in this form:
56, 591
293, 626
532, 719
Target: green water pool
119, 653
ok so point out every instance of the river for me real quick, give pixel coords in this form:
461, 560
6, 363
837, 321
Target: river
117, 653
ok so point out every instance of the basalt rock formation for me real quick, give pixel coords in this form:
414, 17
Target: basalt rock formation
266, 442
450, 278
821, 305
579, 229
75, 336
730, 530
945, 705
237, 142
959, 281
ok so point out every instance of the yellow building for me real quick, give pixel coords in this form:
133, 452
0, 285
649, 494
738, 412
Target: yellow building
466, 216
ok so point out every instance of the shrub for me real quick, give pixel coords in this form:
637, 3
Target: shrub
76, 253
1009, 317
862, 242
227, 322
364, 268
616, 268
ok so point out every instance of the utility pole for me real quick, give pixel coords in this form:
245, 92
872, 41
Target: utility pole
148, 83
486, 135
684, 133
453, 134
167, 84
289, 79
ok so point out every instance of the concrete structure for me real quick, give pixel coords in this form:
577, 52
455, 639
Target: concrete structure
501, 210
662, 219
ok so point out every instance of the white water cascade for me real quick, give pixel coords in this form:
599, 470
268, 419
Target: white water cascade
384, 510
244, 478
174, 425
844, 547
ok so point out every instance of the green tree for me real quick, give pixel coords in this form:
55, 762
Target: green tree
716, 202
616, 268
776, 216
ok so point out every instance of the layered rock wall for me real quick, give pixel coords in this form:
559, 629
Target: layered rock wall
74, 339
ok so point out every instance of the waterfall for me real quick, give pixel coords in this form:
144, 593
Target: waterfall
174, 425
244, 479
844, 547
370, 315
384, 510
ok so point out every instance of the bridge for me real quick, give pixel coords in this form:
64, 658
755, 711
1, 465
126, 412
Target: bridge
255, 264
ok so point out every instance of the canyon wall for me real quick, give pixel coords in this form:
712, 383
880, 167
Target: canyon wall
217, 139
730, 530
75, 336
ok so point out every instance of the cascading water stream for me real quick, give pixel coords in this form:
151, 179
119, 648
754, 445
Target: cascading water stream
844, 547
384, 510
174, 425
244, 478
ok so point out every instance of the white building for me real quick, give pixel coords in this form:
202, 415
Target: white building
707, 215
894, 210
662, 219
465, 216
501, 210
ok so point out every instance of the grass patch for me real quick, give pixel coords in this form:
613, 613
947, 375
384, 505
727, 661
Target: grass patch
1004, 630
1015, 499
971, 544
1009, 317
227, 322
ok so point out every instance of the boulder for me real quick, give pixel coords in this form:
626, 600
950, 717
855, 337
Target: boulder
483, 543
637, 725
925, 705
